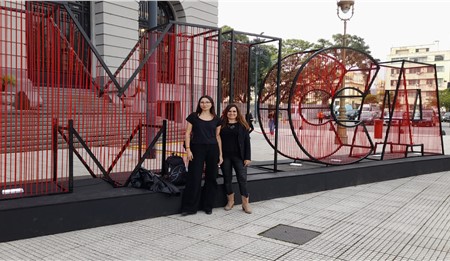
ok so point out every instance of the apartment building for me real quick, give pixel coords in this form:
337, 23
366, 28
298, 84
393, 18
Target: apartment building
421, 78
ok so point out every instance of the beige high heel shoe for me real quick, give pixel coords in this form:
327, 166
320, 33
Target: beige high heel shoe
230, 202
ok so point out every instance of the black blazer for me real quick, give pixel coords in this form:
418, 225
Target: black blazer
244, 142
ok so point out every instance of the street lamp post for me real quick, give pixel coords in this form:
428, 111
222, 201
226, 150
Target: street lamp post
343, 6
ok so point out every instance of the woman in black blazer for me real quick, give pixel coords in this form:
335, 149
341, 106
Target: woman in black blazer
235, 139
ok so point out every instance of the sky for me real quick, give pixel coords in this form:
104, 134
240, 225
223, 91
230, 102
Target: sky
381, 23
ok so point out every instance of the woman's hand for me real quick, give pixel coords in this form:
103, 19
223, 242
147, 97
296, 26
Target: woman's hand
247, 163
190, 156
220, 160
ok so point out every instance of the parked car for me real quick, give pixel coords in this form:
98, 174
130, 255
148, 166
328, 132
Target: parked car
398, 118
429, 118
368, 117
446, 117
350, 113
371, 107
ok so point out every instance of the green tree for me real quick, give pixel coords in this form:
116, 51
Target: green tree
241, 65
352, 41
239, 38
261, 53
290, 46
444, 99
322, 43
371, 98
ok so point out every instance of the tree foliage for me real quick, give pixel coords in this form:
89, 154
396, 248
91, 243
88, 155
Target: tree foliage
239, 38
290, 46
352, 41
444, 99
371, 98
294, 45
240, 65
251, 73
260, 64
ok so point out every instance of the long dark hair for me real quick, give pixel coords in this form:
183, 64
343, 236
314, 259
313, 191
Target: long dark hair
211, 110
239, 118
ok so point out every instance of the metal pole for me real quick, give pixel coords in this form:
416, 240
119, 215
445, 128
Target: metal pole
164, 142
256, 78
277, 110
152, 84
55, 149
341, 130
219, 68
232, 57
71, 152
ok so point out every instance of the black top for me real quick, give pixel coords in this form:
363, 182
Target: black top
203, 132
230, 134
237, 137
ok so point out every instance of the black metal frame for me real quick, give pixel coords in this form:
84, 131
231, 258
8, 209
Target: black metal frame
149, 150
107, 178
264, 39
394, 100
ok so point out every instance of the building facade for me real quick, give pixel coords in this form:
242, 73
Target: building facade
116, 24
423, 79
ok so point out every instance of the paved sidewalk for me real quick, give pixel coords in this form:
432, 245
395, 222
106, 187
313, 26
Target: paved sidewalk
393, 220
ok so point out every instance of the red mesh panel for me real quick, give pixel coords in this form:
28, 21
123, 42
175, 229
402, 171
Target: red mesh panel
310, 83
327, 76
55, 82
411, 111
267, 104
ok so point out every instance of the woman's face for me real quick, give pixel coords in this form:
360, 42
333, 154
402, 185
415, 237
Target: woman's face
232, 113
205, 104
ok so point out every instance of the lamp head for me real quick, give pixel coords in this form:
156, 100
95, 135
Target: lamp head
345, 5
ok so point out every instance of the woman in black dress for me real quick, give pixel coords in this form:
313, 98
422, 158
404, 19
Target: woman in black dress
235, 139
203, 147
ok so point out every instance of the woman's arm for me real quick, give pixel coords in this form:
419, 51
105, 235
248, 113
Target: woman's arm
219, 142
187, 141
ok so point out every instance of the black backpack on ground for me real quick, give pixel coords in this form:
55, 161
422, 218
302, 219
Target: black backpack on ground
175, 170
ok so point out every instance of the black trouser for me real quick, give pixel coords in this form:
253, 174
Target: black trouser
208, 155
241, 174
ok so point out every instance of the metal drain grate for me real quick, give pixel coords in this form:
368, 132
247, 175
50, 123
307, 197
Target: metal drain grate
290, 234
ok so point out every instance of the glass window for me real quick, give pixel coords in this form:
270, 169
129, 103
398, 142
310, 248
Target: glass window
439, 58
422, 59
393, 83
166, 61
165, 13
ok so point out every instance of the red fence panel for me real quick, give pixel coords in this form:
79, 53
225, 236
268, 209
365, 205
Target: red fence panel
57, 77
